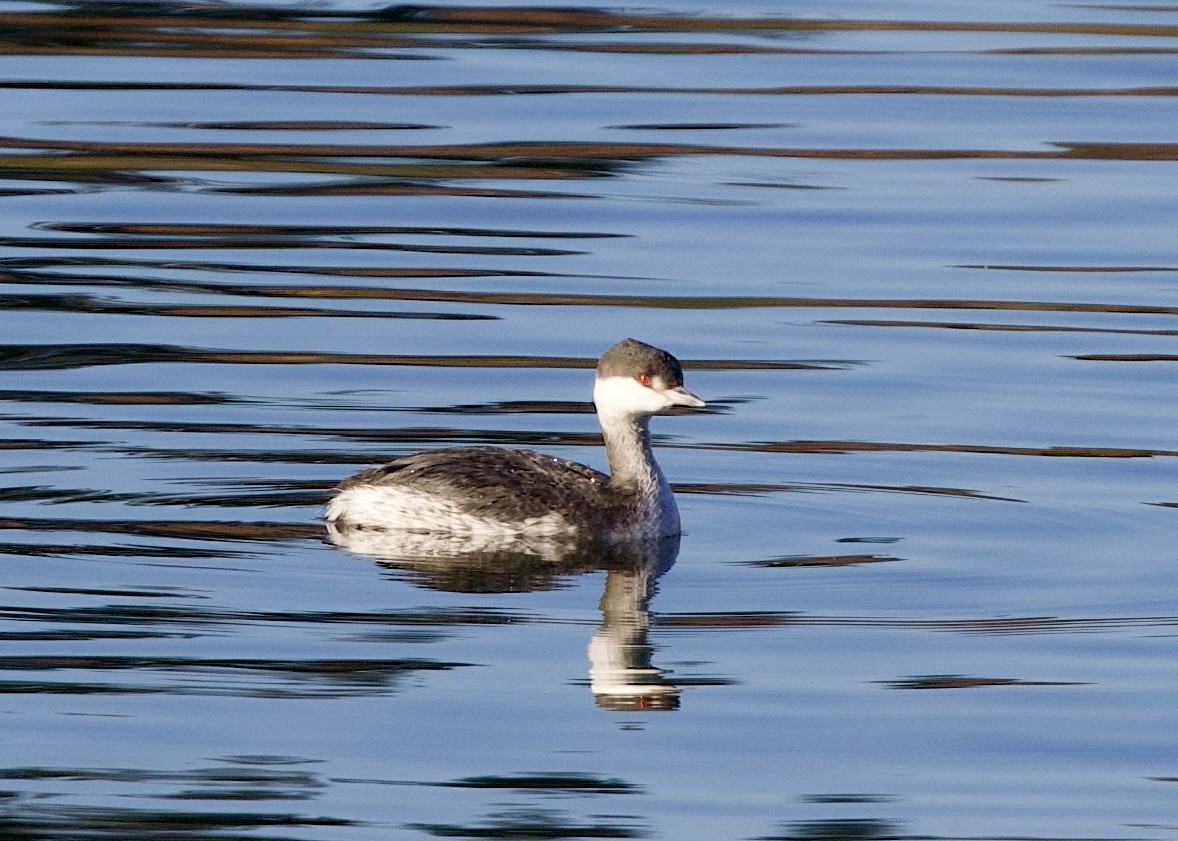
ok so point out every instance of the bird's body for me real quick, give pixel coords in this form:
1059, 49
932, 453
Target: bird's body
491, 491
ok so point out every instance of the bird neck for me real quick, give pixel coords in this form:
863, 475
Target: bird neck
631, 461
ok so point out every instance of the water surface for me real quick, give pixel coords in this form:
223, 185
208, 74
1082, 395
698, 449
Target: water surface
919, 260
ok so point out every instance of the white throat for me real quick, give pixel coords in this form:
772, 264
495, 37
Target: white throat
624, 407
626, 396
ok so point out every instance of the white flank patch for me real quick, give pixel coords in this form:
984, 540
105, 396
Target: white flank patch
383, 507
445, 549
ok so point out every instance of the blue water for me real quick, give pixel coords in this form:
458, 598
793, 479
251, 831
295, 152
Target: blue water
919, 260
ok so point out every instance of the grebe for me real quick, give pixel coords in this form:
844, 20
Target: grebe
491, 492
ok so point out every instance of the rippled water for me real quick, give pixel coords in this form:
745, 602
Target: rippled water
919, 258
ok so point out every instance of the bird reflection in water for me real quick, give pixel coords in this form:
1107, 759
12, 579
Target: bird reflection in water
622, 675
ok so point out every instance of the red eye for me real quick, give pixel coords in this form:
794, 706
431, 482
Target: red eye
644, 379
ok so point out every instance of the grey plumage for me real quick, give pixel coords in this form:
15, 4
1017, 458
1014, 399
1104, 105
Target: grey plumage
512, 485
488, 490
631, 357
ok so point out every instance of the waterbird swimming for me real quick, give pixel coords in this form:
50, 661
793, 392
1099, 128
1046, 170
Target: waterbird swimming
496, 494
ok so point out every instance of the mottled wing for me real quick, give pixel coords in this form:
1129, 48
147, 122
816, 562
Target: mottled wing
512, 485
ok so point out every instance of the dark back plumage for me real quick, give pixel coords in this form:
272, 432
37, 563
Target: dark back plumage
486, 490
511, 485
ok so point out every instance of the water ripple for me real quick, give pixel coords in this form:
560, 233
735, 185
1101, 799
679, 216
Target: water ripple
247, 677
918, 260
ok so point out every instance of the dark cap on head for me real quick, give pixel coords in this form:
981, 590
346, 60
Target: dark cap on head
632, 358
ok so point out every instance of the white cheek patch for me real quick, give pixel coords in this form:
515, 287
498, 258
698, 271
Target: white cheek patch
626, 396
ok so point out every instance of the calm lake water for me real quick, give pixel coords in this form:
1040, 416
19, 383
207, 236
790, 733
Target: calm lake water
920, 257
